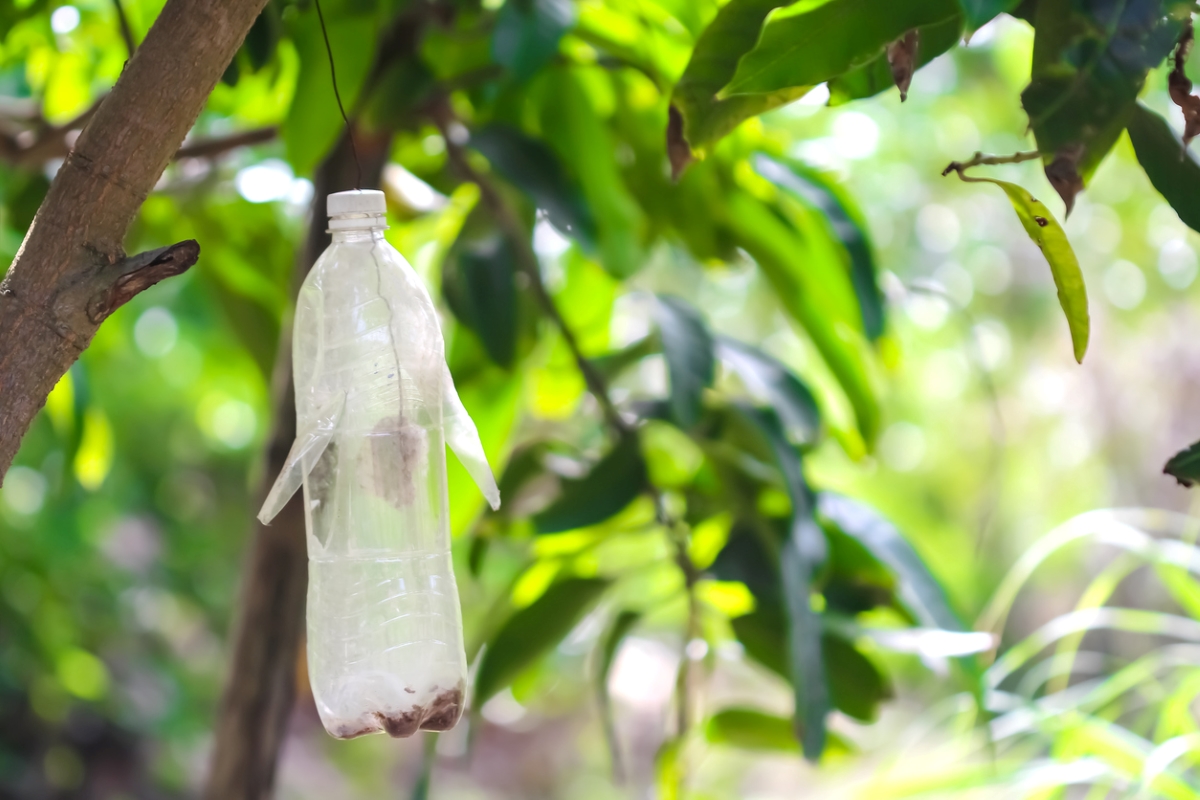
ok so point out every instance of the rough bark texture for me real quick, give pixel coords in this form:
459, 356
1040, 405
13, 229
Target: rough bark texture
71, 270
260, 685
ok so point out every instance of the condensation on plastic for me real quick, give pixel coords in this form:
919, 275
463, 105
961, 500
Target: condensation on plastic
375, 407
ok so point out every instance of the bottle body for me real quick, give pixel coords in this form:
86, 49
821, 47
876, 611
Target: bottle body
385, 648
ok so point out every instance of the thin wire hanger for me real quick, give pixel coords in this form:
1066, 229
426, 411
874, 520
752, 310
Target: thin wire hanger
337, 95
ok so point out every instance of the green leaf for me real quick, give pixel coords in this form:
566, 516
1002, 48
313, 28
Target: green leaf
582, 141
613, 363
750, 729
617, 631
1184, 466
763, 634
818, 192
533, 167
1090, 60
1049, 236
620, 628
876, 76
814, 44
697, 117
803, 552
1168, 164
612, 484
981, 12
527, 33
533, 631
775, 384
481, 287
810, 291
918, 590
313, 124
688, 347
855, 683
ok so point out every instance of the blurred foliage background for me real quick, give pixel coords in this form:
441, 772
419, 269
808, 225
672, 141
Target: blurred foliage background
810, 314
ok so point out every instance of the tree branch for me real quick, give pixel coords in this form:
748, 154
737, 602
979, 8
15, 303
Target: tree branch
136, 274
79, 229
219, 145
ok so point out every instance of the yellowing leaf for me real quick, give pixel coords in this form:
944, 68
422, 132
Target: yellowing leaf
1049, 236
94, 458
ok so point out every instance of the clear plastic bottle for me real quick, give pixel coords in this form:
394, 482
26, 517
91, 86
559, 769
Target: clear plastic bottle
375, 407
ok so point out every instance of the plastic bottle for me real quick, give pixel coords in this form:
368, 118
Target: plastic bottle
375, 407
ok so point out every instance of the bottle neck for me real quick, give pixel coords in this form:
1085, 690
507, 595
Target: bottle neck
360, 227
358, 235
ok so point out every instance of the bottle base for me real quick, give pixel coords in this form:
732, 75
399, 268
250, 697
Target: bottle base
441, 714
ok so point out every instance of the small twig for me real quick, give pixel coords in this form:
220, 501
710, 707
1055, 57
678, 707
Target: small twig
126, 31
979, 160
218, 145
138, 273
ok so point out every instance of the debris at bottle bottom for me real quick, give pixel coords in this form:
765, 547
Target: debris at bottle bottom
440, 715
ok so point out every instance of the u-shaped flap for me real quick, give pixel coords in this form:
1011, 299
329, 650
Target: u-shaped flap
308, 448
463, 438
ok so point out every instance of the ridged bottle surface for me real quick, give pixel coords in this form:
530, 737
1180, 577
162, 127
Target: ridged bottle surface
385, 649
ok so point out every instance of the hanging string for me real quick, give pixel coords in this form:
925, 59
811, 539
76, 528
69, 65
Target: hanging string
337, 95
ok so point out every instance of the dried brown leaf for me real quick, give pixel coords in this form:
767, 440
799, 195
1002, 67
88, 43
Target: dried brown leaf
678, 149
1063, 174
1180, 87
902, 58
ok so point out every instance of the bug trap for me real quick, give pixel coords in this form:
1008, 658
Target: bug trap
375, 408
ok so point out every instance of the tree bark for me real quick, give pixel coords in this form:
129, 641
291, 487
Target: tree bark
71, 271
260, 685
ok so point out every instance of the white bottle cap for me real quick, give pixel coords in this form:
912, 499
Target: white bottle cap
358, 201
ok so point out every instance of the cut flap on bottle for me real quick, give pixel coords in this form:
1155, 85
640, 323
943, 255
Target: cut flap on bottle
311, 440
463, 438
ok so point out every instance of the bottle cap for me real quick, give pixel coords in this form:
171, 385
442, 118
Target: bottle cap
358, 201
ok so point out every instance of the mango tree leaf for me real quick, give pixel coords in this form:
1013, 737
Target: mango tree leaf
750, 729
612, 484
583, 142
806, 289
1090, 60
817, 191
1049, 236
533, 631
776, 385
480, 286
617, 631
980, 12
812, 45
876, 76
918, 590
310, 130
527, 33
620, 628
763, 634
1184, 466
855, 683
688, 347
697, 117
533, 168
613, 363
1168, 164
802, 554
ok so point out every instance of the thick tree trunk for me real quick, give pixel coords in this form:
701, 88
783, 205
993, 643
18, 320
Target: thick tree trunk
260, 685
71, 271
